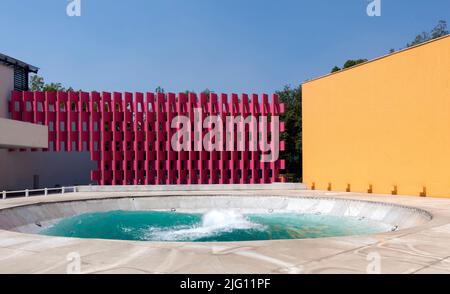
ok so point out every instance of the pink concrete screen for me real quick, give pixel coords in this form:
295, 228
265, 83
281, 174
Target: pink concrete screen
129, 135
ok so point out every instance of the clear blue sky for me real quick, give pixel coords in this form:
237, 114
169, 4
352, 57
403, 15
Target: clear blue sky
224, 45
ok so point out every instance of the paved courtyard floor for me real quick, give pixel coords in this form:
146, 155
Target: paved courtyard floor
419, 250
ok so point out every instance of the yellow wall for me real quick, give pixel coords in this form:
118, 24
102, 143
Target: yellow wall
385, 123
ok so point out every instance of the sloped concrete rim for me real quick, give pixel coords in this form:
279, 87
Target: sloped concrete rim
29, 217
422, 249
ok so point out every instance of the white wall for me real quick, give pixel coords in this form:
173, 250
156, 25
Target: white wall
17, 169
17, 134
6, 87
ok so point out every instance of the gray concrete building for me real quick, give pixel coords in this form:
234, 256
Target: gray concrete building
31, 169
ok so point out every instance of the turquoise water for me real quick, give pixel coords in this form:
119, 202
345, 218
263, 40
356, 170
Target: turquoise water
214, 226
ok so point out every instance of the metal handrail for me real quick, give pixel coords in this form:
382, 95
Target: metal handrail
27, 192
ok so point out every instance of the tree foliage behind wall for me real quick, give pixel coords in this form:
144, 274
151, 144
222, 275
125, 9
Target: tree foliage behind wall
37, 83
292, 98
438, 31
349, 63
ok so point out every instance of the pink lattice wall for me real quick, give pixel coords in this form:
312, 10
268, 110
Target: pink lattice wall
129, 135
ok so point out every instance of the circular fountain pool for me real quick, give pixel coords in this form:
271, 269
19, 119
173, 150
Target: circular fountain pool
213, 226
210, 218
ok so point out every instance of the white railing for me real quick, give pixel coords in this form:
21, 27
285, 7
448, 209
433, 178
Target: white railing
44, 192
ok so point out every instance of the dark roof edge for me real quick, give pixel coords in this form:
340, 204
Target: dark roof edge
15, 62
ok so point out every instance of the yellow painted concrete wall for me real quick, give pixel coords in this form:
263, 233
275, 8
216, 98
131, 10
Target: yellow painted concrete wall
384, 124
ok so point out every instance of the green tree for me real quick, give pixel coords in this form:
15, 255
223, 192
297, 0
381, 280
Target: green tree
37, 83
207, 91
438, 31
56, 87
160, 90
335, 69
292, 98
419, 39
349, 63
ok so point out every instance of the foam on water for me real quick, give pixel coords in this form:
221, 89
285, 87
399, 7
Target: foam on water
213, 223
